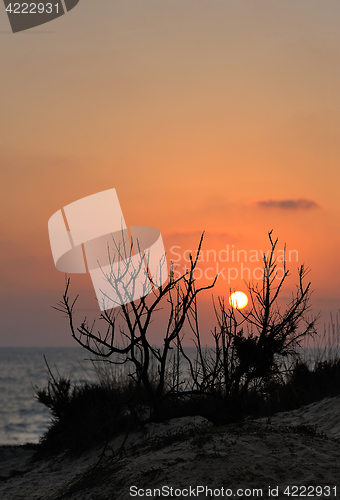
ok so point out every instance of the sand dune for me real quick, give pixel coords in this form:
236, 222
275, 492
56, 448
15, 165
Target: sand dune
298, 448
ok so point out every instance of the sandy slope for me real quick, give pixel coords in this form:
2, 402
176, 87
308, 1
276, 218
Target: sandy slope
296, 448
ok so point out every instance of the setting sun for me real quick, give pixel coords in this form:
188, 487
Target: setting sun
238, 300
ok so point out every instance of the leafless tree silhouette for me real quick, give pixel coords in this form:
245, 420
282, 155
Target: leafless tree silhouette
250, 346
126, 328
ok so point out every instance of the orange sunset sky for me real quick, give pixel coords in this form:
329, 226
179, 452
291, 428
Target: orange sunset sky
214, 115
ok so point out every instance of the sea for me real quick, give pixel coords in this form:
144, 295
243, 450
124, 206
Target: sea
24, 370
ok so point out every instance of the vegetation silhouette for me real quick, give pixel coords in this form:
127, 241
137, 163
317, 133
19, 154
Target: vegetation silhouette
254, 369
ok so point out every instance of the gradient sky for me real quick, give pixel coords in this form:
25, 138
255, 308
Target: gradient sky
219, 115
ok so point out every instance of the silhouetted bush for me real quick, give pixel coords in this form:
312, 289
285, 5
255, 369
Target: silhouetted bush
304, 386
92, 413
88, 414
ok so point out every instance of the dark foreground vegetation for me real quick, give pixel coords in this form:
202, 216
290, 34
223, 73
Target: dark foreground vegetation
255, 368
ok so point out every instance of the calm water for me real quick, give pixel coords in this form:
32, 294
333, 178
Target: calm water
22, 418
